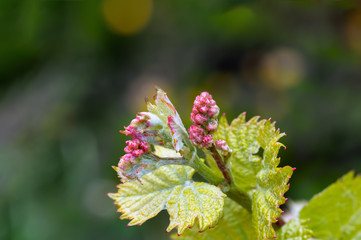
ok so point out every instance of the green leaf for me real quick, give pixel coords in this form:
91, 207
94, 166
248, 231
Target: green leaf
213, 165
335, 213
170, 187
254, 173
271, 183
294, 230
235, 224
241, 137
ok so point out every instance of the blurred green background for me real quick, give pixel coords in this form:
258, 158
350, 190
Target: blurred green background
73, 73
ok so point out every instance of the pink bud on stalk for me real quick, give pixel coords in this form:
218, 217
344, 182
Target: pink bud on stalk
223, 147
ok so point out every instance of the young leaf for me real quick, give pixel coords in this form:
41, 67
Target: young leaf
294, 230
271, 183
170, 187
235, 224
241, 137
251, 171
147, 163
335, 213
167, 113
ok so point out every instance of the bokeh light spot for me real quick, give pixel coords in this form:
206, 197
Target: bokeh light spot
282, 68
127, 17
353, 31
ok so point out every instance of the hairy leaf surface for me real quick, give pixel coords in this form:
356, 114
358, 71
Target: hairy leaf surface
170, 187
241, 137
271, 183
294, 230
235, 225
167, 113
335, 213
254, 172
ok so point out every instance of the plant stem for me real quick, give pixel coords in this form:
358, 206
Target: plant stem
172, 161
219, 160
206, 172
242, 199
230, 190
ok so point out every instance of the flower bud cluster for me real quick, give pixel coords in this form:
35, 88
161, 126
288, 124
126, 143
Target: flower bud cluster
204, 116
148, 127
134, 151
144, 125
144, 130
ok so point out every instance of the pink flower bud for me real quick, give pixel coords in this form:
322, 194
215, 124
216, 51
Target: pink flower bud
137, 153
197, 104
193, 116
145, 146
133, 144
207, 141
127, 149
205, 95
136, 147
130, 130
212, 125
147, 127
213, 111
200, 119
203, 109
196, 134
223, 146
125, 162
195, 110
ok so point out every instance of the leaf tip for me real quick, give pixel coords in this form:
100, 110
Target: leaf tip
294, 169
